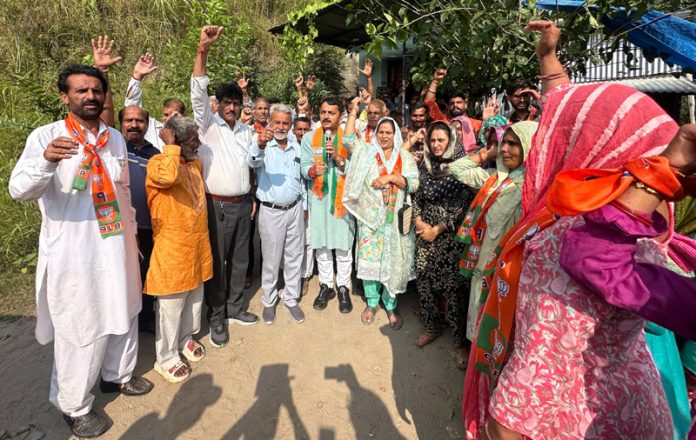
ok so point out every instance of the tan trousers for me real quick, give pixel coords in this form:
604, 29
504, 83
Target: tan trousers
178, 317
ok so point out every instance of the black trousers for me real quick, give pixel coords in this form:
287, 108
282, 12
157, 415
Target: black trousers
145, 245
229, 225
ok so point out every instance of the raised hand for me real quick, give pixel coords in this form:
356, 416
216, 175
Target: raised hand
302, 101
101, 51
144, 66
439, 75
355, 105
60, 148
549, 36
298, 82
492, 108
367, 69
416, 136
365, 97
311, 81
242, 81
532, 92
209, 35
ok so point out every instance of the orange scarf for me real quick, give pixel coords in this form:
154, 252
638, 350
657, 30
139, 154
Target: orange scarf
474, 226
321, 184
579, 191
390, 192
499, 293
103, 195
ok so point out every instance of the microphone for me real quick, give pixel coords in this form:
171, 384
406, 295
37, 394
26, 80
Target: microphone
327, 135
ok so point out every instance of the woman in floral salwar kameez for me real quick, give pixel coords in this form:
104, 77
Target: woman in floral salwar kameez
378, 179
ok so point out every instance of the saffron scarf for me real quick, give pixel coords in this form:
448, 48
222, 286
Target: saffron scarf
320, 187
391, 191
473, 229
91, 166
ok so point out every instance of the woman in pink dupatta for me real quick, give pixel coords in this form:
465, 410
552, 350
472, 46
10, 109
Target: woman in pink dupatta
578, 367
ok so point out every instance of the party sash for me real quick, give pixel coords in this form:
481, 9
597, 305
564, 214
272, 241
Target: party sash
367, 135
390, 192
499, 296
321, 184
473, 228
103, 194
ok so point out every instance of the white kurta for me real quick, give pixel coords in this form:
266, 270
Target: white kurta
86, 286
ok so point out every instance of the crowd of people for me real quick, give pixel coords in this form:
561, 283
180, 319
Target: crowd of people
545, 238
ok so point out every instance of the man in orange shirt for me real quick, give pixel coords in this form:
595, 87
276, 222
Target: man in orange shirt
181, 259
456, 106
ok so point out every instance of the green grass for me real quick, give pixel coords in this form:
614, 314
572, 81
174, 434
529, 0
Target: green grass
16, 296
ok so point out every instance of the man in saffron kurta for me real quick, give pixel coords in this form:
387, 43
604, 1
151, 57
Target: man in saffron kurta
332, 228
181, 259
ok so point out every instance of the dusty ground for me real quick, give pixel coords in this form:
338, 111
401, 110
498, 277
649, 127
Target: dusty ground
330, 378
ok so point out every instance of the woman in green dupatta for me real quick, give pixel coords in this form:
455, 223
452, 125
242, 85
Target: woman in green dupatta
378, 178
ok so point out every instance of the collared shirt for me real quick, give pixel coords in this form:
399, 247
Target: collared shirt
137, 168
134, 96
87, 285
278, 172
223, 151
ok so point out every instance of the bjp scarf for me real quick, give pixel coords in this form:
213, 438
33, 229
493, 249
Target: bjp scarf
390, 192
474, 226
103, 195
321, 183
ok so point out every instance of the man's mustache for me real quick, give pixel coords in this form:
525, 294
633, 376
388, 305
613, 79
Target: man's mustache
134, 130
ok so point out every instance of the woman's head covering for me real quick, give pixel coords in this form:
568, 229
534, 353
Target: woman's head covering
525, 132
498, 123
465, 133
438, 166
593, 126
398, 142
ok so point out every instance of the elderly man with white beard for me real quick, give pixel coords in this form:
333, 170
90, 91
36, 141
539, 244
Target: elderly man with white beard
276, 160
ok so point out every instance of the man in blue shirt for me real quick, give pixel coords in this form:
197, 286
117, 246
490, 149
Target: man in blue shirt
134, 125
276, 160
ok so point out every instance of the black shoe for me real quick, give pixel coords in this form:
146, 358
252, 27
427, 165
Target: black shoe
242, 318
137, 386
87, 426
325, 294
218, 335
344, 303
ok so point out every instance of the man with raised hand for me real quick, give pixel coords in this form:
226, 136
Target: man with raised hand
227, 177
88, 288
134, 96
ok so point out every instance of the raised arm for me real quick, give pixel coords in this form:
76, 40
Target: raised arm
431, 93
367, 71
145, 66
102, 50
551, 71
199, 78
350, 123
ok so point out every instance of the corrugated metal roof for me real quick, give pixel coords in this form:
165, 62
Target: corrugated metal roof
659, 84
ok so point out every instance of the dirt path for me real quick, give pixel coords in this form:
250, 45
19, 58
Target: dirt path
330, 378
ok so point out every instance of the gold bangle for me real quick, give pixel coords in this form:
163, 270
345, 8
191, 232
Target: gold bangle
640, 185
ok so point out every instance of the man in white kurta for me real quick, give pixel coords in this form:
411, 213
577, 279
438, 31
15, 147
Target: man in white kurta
88, 289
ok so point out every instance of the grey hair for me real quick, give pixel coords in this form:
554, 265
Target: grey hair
182, 127
280, 108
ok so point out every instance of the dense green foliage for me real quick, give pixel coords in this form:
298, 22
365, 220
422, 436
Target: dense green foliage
482, 44
37, 39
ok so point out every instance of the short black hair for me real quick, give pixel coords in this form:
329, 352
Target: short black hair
419, 105
123, 111
331, 100
80, 69
230, 91
169, 101
303, 119
519, 83
272, 101
459, 94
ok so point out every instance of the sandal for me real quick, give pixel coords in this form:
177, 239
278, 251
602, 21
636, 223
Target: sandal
368, 315
426, 338
178, 373
395, 321
193, 351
